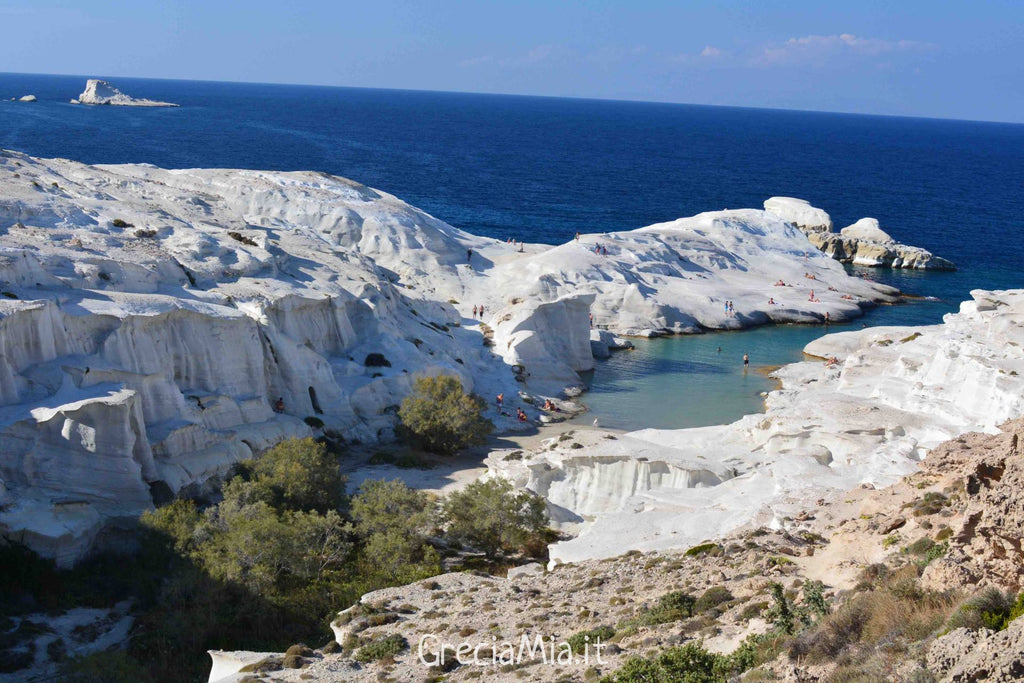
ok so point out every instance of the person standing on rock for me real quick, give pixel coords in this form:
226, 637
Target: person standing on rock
746, 361
500, 400
469, 255
481, 312
474, 311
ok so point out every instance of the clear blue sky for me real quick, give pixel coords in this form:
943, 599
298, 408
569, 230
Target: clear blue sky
938, 58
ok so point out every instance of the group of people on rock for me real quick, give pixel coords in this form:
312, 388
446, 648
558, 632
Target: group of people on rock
598, 249
478, 312
729, 309
550, 406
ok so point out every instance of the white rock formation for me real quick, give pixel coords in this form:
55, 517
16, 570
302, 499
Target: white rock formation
150, 319
102, 92
867, 419
603, 342
800, 213
864, 243
27, 98
868, 230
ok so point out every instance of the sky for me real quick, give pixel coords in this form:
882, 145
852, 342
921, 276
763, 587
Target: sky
935, 58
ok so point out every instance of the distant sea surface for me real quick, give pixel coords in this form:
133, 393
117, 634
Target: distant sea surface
540, 169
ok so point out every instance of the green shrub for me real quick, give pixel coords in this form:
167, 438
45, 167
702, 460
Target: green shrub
920, 547
691, 663
712, 597
379, 648
704, 549
753, 610
119, 223
441, 418
670, 607
493, 516
781, 614
990, 608
579, 641
300, 474
381, 506
393, 520
935, 552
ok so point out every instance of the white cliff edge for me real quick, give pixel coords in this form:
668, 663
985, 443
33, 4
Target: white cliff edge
863, 244
101, 92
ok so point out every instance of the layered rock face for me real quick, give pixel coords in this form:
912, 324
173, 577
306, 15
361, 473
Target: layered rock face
864, 243
151, 319
102, 92
869, 417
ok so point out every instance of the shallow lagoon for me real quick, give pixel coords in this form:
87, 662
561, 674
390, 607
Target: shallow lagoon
686, 381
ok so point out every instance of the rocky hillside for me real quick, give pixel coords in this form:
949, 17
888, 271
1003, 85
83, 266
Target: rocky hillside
914, 581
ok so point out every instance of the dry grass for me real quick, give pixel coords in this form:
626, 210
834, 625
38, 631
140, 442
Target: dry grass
891, 617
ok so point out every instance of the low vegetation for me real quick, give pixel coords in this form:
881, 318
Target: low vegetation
271, 563
440, 417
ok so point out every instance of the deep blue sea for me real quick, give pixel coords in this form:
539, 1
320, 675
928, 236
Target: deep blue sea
540, 169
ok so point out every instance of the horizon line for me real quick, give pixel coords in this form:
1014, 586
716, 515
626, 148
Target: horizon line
528, 95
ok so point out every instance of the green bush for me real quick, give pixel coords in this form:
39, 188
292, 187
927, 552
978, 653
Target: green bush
380, 506
990, 608
393, 521
492, 516
387, 646
300, 474
579, 641
704, 549
441, 418
712, 597
670, 607
691, 663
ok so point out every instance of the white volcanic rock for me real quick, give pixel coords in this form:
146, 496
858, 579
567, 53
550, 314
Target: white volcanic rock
895, 394
800, 213
151, 318
866, 229
603, 342
102, 92
864, 243
27, 98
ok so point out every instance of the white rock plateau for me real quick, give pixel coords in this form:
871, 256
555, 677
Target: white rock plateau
150, 319
102, 92
869, 418
863, 244
27, 98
